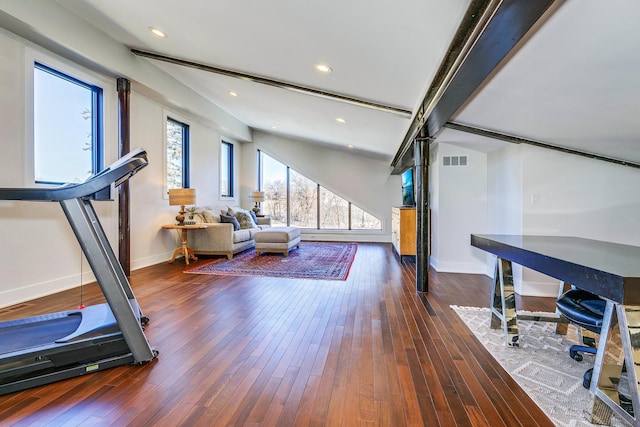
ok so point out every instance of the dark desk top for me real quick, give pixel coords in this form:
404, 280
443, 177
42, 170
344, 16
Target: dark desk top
611, 270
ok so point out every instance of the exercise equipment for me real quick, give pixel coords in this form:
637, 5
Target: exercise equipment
46, 348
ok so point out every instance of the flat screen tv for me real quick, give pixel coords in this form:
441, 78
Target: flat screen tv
408, 195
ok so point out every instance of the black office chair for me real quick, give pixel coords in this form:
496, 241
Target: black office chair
586, 310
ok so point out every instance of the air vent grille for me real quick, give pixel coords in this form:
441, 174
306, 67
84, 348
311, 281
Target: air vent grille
455, 161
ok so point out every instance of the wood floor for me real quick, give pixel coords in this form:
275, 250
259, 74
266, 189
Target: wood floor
246, 351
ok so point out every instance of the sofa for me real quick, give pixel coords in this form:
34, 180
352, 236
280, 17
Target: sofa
224, 238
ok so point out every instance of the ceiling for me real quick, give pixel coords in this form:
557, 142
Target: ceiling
572, 82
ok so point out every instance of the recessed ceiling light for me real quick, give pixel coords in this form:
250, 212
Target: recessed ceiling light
350, 146
323, 68
274, 127
158, 33
341, 120
232, 93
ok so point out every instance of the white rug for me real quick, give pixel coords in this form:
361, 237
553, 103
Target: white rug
541, 366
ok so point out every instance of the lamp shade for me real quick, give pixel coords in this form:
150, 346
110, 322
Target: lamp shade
257, 196
182, 196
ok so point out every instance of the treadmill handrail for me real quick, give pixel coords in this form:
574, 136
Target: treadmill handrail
116, 173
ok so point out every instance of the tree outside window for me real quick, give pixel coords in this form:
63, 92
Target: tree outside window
177, 154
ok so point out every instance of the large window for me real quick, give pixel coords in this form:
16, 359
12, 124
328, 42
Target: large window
67, 127
226, 169
177, 154
293, 199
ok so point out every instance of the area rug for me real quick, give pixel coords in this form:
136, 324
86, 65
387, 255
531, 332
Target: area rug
312, 260
541, 366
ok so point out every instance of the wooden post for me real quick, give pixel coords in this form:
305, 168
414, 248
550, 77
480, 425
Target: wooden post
421, 161
124, 239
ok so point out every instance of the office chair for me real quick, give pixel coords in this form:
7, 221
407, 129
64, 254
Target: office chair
585, 310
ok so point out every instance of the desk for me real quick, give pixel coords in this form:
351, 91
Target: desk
607, 269
183, 249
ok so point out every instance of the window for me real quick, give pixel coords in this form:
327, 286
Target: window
334, 211
226, 169
294, 199
304, 197
177, 154
67, 127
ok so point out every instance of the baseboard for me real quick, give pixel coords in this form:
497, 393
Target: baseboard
38, 290
539, 289
458, 267
152, 260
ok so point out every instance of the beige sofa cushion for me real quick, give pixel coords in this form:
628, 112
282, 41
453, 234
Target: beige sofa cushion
241, 236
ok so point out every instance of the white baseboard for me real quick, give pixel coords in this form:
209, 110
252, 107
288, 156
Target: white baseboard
539, 289
458, 267
37, 290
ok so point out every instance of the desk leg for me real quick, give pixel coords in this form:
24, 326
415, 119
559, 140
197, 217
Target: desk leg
503, 302
607, 369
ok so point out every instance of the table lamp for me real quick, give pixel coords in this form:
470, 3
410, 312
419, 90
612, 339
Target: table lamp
181, 197
257, 197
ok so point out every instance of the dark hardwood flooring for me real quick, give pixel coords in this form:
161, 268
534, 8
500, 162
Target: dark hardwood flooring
247, 351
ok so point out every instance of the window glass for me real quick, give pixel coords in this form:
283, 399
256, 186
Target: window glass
274, 179
67, 127
304, 201
226, 169
334, 211
361, 220
177, 154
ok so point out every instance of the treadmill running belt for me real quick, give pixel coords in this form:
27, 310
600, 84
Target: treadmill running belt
22, 335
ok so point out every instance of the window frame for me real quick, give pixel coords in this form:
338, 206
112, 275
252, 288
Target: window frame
82, 79
186, 151
230, 166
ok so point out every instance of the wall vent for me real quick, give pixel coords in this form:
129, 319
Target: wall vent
454, 161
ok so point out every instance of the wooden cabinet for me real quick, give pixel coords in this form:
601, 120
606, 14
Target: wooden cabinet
403, 230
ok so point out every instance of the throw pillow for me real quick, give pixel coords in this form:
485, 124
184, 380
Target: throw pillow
253, 215
208, 216
231, 220
233, 209
245, 220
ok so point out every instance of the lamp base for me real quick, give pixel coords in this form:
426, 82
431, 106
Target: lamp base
180, 216
256, 209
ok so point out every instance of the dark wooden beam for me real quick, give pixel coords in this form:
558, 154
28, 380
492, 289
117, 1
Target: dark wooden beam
421, 160
123, 87
402, 112
488, 32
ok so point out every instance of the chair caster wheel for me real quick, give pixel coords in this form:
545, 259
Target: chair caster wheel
575, 356
586, 379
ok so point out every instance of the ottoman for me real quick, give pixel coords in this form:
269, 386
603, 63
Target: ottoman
277, 239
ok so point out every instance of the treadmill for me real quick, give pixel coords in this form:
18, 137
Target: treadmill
51, 347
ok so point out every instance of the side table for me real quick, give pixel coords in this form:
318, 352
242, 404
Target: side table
183, 249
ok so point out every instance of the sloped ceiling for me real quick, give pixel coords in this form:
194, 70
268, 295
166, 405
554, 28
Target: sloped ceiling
573, 81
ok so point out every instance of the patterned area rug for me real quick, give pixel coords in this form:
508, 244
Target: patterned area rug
312, 260
541, 366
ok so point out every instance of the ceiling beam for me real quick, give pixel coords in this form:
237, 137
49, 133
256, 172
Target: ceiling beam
519, 140
404, 113
489, 30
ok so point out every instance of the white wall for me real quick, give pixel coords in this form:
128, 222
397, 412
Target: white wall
543, 192
365, 181
40, 255
458, 209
